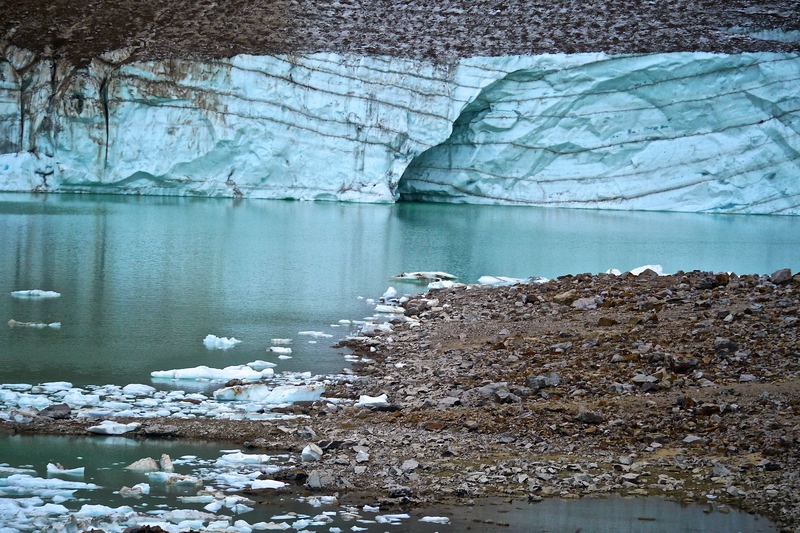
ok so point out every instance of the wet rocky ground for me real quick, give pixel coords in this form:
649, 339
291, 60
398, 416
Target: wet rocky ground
685, 385
441, 29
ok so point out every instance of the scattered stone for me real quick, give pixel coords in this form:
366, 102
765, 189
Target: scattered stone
782, 276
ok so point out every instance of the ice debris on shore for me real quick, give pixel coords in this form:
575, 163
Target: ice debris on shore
110, 427
35, 293
23, 403
259, 392
213, 342
499, 281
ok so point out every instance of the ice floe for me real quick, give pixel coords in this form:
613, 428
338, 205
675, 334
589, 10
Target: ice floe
213, 374
280, 350
316, 334
56, 469
424, 276
35, 325
35, 293
213, 342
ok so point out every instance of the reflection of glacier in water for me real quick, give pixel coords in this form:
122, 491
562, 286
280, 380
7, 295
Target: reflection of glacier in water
200, 494
144, 280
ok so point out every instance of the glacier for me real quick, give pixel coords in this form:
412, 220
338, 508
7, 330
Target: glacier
690, 131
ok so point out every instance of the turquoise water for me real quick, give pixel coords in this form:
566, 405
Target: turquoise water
145, 279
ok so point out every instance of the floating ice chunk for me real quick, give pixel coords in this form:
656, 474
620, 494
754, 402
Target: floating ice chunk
177, 480
138, 389
435, 519
315, 334
280, 350
31, 483
284, 357
344, 321
281, 341
271, 526
35, 325
498, 280
130, 492
371, 509
267, 484
424, 276
373, 401
391, 309
259, 392
658, 269
259, 365
109, 427
396, 517
95, 511
213, 507
58, 469
177, 516
390, 293
35, 293
214, 374
213, 342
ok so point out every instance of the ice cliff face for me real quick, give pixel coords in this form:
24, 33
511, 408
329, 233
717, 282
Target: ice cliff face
688, 131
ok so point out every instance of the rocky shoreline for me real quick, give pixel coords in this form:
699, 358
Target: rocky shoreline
686, 386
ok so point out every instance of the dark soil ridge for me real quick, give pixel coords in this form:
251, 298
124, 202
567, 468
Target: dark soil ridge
438, 30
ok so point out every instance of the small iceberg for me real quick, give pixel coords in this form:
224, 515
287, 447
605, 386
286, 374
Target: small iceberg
109, 427
58, 470
213, 342
281, 341
35, 293
260, 365
315, 334
424, 276
280, 350
36, 325
435, 519
212, 374
258, 392
390, 294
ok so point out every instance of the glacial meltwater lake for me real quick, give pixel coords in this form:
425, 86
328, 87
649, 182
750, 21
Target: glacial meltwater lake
144, 279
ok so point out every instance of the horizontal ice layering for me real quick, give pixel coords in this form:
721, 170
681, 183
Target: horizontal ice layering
683, 131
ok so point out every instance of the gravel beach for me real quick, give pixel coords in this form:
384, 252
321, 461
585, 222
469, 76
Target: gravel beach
685, 385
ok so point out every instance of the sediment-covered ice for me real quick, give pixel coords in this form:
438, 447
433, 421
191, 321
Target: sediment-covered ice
258, 392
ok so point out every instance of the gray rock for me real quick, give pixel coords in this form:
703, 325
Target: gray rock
590, 417
57, 411
693, 439
399, 491
720, 470
584, 304
409, 465
779, 277
544, 381
725, 346
320, 479
306, 433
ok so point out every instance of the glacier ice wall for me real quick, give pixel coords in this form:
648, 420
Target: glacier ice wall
687, 131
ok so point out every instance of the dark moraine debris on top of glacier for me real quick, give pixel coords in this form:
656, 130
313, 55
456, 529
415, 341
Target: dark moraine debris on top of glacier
617, 105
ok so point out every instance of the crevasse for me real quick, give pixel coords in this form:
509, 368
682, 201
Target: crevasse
683, 132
